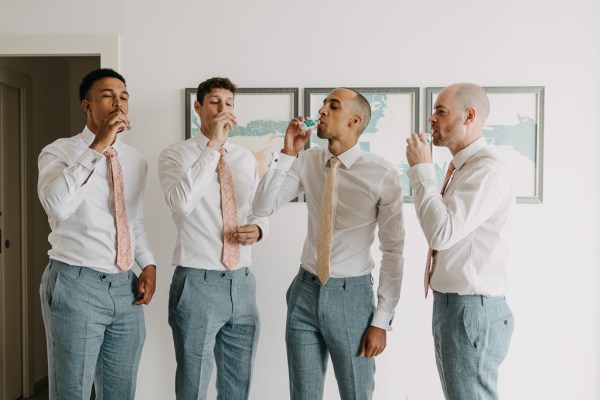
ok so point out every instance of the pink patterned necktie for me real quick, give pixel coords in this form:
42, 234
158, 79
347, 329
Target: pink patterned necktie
118, 189
431, 253
326, 213
231, 248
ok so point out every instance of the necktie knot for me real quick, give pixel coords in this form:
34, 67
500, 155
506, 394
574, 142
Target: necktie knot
334, 163
110, 152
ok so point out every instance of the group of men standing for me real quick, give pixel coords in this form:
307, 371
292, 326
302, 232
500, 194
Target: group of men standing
91, 186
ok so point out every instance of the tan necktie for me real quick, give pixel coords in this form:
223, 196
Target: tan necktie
326, 214
231, 248
118, 188
431, 253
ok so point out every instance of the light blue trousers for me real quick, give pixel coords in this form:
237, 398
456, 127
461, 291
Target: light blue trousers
324, 320
213, 314
471, 335
94, 332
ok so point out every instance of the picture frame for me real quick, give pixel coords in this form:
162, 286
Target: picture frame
516, 126
262, 114
394, 116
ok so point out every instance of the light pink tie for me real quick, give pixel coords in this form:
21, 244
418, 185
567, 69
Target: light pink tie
326, 214
231, 248
431, 253
118, 188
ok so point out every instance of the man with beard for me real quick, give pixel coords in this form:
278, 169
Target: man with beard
467, 231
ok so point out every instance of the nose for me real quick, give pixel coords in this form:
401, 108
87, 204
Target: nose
322, 110
431, 119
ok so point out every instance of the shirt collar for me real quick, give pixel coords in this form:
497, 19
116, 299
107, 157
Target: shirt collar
462, 156
348, 158
88, 137
202, 142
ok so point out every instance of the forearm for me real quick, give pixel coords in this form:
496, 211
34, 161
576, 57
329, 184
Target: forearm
184, 186
62, 187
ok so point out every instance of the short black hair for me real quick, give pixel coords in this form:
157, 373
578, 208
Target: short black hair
95, 75
214, 83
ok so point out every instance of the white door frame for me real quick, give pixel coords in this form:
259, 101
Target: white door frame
107, 47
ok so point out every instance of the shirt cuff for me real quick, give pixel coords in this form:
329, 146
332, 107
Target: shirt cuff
144, 260
89, 159
421, 172
383, 320
282, 162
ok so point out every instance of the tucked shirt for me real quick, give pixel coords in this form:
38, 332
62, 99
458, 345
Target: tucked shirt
469, 226
188, 176
74, 187
369, 196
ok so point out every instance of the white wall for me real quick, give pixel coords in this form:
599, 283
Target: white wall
555, 281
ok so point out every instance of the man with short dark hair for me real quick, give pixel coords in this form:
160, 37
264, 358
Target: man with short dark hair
209, 184
91, 186
349, 193
466, 227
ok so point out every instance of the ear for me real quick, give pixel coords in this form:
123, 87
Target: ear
85, 104
197, 106
470, 115
356, 120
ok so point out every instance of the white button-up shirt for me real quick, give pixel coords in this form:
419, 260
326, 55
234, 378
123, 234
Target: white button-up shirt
469, 226
188, 176
74, 187
369, 196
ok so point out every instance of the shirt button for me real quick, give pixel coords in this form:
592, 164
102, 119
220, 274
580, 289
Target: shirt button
222, 274
505, 322
314, 279
94, 161
103, 277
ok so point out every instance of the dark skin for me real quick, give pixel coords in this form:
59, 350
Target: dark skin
339, 124
106, 107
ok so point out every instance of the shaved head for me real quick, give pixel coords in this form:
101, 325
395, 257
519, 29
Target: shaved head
469, 95
362, 108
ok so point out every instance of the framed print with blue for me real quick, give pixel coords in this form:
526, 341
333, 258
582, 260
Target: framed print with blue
516, 126
394, 116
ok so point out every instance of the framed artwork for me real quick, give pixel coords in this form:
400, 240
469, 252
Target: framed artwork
394, 116
263, 115
516, 126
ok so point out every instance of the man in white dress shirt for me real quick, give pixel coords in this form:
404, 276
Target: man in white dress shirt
212, 302
467, 230
339, 318
91, 299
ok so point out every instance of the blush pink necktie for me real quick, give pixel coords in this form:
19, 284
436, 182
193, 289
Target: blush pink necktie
231, 247
118, 189
326, 214
431, 253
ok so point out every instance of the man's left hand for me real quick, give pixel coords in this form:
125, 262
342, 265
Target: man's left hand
146, 285
247, 234
373, 342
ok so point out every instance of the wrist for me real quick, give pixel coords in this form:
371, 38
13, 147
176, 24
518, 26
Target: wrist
289, 152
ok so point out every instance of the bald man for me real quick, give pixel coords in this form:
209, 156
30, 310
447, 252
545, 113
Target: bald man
466, 227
